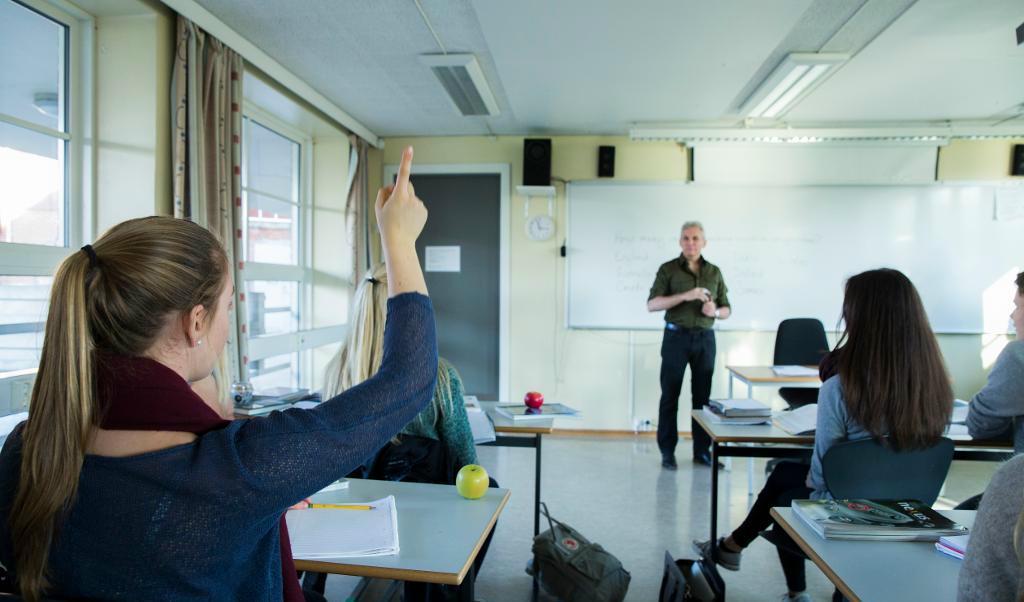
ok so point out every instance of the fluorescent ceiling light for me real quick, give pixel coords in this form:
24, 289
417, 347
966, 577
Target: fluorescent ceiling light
464, 81
792, 80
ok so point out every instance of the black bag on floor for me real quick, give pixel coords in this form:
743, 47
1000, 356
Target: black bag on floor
573, 569
688, 580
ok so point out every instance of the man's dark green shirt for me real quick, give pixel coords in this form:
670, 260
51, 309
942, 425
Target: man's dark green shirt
675, 277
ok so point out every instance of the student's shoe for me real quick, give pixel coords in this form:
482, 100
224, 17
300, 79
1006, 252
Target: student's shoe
801, 597
668, 461
713, 551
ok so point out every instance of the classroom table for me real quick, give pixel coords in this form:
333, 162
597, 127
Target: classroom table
770, 441
509, 433
764, 376
880, 571
439, 533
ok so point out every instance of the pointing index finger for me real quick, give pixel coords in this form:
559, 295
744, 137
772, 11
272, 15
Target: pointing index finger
402, 183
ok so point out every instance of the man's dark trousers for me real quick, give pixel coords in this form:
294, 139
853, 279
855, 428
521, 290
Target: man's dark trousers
681, 347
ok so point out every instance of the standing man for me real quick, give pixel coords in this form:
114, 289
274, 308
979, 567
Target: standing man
692, 293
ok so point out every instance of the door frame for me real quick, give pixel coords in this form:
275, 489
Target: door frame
503, 170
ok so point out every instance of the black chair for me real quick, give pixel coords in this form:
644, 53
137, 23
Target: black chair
800, 342
872, 470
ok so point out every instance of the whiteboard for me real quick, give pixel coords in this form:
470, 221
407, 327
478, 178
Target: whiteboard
786, 251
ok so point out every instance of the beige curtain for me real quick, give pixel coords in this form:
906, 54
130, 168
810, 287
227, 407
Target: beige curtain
357, 208
207, 126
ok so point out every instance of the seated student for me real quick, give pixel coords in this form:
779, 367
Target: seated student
997, 411
891, 382
444, 419
992, 569
125, 484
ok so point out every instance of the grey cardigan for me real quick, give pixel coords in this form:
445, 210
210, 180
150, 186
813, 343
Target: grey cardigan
998, 409
992, 571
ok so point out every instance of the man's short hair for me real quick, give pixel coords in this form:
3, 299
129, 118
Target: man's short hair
1020, 284
694, 224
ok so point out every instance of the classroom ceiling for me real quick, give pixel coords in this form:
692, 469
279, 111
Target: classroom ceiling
588, 67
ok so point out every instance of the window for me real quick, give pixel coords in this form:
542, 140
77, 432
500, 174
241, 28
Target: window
37, 144
278, 253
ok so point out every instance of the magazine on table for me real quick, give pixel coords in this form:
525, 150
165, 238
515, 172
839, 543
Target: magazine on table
885, 520
548, 410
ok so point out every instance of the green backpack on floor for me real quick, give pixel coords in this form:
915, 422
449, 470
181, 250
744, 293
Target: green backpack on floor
573, 569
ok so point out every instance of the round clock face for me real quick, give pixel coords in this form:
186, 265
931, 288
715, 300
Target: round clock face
540, 227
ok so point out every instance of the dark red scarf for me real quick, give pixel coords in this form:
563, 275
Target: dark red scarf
140, 394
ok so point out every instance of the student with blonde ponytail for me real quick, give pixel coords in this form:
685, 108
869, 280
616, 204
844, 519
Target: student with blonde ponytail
444, 419
124, 484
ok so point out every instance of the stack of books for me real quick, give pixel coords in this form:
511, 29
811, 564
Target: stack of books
737, 411
519, 412
954, 545
889, 520
277, 398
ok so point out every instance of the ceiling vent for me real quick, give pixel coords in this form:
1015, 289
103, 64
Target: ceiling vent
462, 78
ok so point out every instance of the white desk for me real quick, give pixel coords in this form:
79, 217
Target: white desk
764, 376
525, 433
439, 533
769, 441
887, 571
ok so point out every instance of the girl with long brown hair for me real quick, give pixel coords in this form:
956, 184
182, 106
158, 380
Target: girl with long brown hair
891, 382
125, 484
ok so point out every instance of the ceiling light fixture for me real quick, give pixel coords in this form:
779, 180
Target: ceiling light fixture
791, 81
464, 81
923, 133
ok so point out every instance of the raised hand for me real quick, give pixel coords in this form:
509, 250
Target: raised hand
400, 214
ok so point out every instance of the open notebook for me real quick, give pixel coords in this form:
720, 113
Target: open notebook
331, 533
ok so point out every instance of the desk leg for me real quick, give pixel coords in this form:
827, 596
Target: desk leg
466, 593
536, 487
536, 503
731, 377
714, 491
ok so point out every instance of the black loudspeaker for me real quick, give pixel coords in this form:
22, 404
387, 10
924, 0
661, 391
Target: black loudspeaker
537, 162
606, 161
1017, 163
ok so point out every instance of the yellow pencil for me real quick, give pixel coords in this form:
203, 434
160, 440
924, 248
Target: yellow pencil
341, 506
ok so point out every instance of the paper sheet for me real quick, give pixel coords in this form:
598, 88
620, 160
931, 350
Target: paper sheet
330, 533
480, 424
794, 371
801, 421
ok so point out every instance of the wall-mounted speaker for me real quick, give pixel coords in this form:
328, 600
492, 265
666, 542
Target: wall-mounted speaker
537, 162
1017, 162
606, 161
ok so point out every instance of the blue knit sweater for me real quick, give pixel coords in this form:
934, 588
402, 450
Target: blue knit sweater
200, 521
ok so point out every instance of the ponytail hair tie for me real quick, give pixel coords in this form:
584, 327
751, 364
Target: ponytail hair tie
372, 280
91, 254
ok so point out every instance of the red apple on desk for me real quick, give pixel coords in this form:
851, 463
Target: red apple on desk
472, 481
534, 400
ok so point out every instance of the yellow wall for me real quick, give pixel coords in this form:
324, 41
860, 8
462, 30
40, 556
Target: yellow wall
133, 59
977, 160
590, 370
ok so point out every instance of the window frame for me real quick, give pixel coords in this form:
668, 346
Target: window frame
306, 338
22, 259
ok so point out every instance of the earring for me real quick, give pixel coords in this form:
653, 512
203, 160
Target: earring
199, 343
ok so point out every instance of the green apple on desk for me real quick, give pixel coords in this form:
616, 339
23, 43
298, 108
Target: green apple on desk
472, 481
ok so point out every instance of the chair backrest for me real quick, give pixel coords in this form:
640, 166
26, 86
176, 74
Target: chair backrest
800, 341
870, 469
